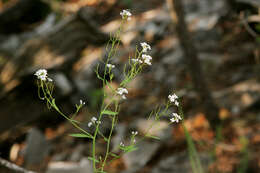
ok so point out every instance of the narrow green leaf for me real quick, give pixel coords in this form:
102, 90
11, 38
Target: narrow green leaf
80, 135
108, 112
153, 137
54, 104
92, 159
75, 121
114, 155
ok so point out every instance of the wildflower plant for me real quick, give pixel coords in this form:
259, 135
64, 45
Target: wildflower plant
111, 109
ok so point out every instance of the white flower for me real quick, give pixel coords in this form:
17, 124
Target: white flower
173, 99
49, 79
123, 97
81, 102
122, 92
137, 60
126, 14
145, 47
122, 144
134, 132
147, 59
176, 118
41, 74
176, 103
110, 66
90, 124
94, 119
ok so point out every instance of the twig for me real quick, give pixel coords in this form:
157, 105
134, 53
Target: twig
13, 167
247, 27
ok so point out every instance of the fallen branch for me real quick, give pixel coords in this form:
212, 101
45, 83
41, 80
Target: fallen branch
4, 164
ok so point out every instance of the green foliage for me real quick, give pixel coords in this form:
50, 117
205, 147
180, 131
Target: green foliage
96, 97
193, 155
108, 112
80, 135
243, 166
128, 3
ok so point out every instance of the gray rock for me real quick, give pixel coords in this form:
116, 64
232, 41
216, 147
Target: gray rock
139, 158
255, 3
174, 58
46, 26
77, 153
178, 163
119, 136
62, 83
84, 166
161, 129
37, 147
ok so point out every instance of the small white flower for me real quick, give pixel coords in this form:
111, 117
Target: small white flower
137, 60
111, 66
176, 118
90, 124
122, 92
173, 98
94, 119
49, 79
123, 97
126, 14
122, 144
81, 102
147, 59
176, 103
134, 132
41, 74
145, 47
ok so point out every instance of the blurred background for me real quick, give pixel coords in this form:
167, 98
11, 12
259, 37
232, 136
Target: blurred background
206, 51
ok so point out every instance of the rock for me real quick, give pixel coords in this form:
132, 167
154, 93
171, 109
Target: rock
119, 136
178, 163
62, 83
37, 149
242, 95
46, 26
255, 3
138, 158
173, 58
84, 166
161, 129
77, 153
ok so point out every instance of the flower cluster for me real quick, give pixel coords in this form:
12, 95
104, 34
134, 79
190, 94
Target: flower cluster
81, 102
122, 92
145, 47
122, 144
110, 66
174, 99
42, 75
134, 133
93, 121
175, 118
126, 14
134, 60
147, 59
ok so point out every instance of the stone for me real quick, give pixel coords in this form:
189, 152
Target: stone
179, 163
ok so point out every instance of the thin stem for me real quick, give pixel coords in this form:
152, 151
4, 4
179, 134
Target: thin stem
109, 138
